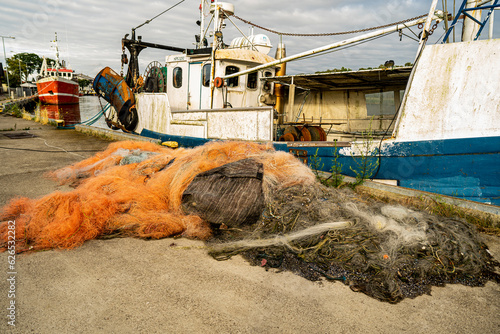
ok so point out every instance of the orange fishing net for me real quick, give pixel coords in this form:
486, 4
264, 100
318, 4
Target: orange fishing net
135, 189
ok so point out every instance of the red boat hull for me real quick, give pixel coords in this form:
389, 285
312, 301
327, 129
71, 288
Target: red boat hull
54, 90
69, 113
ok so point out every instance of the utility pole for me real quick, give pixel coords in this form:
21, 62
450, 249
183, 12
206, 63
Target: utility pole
20, 73
6, 65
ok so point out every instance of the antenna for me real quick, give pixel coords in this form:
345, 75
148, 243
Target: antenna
57, 51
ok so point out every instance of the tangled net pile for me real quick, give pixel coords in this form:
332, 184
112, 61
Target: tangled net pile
388, 252
136, 189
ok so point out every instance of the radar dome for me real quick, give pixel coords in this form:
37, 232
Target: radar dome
261, 42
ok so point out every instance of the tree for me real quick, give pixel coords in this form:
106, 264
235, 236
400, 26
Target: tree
29, 63
17, 71
83, 83
335, 70
31, 60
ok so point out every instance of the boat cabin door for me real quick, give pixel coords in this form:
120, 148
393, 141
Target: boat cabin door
199, 86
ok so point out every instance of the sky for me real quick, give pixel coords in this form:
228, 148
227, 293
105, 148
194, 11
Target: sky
90, 31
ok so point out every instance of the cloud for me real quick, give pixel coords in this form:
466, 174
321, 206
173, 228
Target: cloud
90, 31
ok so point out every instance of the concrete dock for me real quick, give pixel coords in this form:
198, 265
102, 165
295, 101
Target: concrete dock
172, 286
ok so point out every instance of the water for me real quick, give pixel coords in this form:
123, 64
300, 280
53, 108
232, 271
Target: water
72, 114
89, 107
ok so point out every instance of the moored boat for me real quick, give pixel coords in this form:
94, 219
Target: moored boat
445, 136
55, 84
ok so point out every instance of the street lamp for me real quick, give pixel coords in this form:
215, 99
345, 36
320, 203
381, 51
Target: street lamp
6, 65
21, 72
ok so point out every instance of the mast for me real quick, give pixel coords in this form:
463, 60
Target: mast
471, 28
202, 24
492, 20
421, 45
218, 17
57, 53
212, 56
425, 31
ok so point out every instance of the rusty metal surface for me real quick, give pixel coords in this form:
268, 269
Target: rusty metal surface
299, 154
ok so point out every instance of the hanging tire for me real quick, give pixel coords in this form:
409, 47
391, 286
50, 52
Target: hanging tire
129, 119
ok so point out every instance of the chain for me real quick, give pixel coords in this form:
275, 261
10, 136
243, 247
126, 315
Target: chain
430, 32
109, 122
331, 33
434, 26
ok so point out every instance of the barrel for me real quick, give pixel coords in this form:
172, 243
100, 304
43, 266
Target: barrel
113, 88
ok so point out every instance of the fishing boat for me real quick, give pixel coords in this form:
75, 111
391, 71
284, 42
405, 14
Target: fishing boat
55, 84
443, 136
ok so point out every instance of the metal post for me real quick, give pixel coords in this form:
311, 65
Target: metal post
425, 31
471, 28
445, 9
202, 24
291, 102
212, 56
20, 73
423, 40
492, 19
6, 64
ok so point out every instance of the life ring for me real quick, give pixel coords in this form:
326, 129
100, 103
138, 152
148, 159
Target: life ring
218, 82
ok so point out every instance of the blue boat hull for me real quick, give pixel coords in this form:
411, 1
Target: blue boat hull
466, 168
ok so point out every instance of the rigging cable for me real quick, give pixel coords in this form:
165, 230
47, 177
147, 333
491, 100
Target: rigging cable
331, 33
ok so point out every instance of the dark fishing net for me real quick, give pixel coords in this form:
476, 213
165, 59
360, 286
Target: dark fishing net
387, 252
263, 204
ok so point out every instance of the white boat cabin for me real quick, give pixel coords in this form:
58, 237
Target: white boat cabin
55, 71
188, 83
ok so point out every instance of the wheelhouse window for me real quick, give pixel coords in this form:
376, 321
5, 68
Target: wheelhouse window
252, 80
382, 103
232, 82
206, 75
177, 77
267, 85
